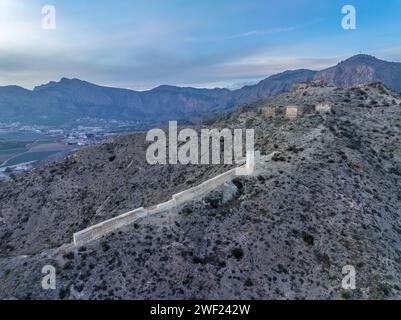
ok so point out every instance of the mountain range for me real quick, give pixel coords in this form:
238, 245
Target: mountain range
62, 103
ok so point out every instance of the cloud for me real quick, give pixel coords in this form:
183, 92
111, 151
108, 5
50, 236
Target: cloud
147, 50
259, 32
393, 53
147, 67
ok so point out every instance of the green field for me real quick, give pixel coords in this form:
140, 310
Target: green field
12, 151
6, 145
27, 157
19, 148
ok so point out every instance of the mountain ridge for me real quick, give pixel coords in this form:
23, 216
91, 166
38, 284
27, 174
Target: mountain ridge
65, 101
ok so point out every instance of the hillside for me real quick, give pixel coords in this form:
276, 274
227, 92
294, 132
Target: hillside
330, 199
63, 103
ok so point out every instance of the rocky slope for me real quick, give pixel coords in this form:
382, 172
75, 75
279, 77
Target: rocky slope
331, 198
45, 207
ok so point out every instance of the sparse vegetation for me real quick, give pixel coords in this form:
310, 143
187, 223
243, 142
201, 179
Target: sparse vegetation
308, 238
237, 253
297, 220
346, 295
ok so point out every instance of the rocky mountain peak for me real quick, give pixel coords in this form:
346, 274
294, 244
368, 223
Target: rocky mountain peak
362, 69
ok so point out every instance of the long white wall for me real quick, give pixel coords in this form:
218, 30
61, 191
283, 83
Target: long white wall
94, 232
98, 230
204, 188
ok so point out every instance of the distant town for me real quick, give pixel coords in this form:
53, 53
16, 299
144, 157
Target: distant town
24, 147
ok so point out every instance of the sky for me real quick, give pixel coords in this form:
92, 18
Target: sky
200, 43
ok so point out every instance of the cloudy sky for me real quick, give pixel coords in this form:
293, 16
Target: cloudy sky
201, 43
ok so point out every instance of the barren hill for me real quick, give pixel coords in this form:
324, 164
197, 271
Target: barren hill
331, 198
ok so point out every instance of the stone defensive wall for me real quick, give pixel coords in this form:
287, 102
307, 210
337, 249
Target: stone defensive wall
105, 227
204, 188
96, 231
195, 193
